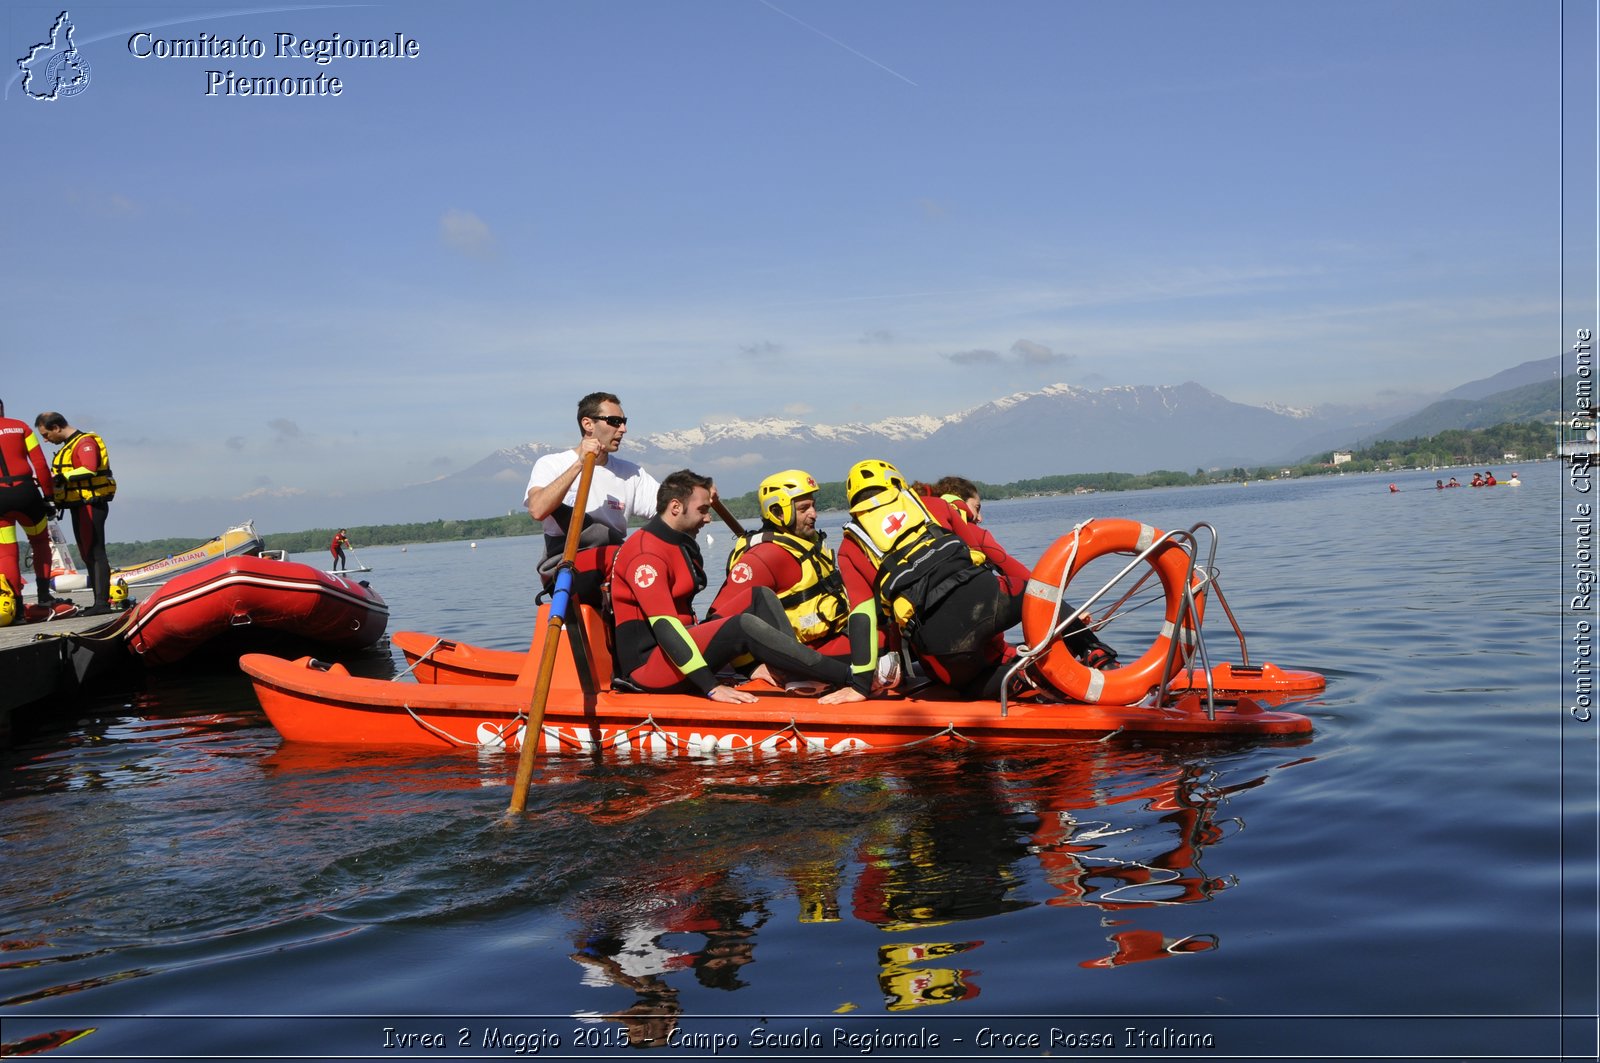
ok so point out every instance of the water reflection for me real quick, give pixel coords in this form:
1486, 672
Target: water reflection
907, 845
669, 879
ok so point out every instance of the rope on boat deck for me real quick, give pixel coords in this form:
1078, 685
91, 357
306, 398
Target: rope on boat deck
792, 728
111, 634
648, 725
436, 644
948, 732
447, 736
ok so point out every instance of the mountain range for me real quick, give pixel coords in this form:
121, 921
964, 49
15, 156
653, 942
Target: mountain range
1061, 428
1057, 429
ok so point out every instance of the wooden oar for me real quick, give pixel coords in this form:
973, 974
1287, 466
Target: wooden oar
727, 518
552, 642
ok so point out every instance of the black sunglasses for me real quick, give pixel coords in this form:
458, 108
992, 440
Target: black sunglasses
614, 421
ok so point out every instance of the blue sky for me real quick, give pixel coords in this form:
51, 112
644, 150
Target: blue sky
831, 209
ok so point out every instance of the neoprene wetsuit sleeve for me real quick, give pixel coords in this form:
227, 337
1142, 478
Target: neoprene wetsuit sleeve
862, 624
674, 640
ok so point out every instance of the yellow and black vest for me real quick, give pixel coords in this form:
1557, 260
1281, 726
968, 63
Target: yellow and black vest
74, 485
919, 563
818, 605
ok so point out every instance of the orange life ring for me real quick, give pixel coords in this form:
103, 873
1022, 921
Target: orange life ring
1131, 682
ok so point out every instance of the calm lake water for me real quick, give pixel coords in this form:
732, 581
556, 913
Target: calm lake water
186, 885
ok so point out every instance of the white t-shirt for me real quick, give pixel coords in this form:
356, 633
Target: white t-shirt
618, 490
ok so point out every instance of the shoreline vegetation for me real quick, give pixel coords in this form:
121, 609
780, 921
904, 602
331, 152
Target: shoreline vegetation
1484, 447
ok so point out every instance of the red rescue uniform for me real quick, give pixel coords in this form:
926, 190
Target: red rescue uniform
24, 499
660, 648
860, 574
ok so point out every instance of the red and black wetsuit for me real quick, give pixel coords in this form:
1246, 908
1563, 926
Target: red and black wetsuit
88, 490
660, 648
336, 548
849, 636
24, 499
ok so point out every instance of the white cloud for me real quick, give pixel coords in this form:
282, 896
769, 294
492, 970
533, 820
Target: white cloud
464, 231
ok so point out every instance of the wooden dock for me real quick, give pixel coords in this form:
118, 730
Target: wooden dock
36, 663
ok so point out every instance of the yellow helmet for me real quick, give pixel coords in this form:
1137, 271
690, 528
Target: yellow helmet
779, 492
119, 593
868, 479
8, 603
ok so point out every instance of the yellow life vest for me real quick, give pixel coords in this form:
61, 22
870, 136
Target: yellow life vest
74, 484
918, 562
958, 505
818, 605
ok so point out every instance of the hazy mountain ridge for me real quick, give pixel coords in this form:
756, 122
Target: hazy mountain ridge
1531, 402
1061, 428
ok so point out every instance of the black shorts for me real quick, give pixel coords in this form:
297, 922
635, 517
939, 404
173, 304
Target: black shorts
21, 503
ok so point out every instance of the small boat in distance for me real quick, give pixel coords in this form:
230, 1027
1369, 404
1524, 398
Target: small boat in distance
255, 600
240, 540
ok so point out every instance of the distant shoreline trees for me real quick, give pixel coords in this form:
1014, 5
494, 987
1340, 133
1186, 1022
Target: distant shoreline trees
1481, 447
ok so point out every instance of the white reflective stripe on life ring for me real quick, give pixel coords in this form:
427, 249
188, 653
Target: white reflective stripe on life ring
1188, 636
1039, 589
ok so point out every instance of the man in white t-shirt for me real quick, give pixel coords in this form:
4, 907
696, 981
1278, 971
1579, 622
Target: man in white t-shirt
618, 491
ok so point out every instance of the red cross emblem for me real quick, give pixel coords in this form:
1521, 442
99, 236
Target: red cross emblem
741, 573
892, 523
644, 576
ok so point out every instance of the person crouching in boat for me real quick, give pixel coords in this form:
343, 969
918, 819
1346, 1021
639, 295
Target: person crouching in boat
946, 585
960, 494
659, 648
790, 558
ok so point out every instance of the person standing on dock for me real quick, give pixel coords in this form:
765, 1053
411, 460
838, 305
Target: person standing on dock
24, 500
82, 485
618, 490
336, 548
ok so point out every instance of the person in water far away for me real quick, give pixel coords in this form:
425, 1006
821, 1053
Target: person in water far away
336, 548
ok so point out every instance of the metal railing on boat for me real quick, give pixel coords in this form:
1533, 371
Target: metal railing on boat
1187, 626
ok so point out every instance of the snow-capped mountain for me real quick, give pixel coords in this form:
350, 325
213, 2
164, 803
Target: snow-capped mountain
1057, 429
1060, 428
